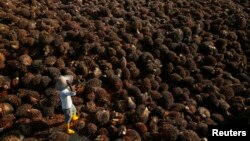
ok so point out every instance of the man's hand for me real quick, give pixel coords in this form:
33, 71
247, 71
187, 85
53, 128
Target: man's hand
70, 86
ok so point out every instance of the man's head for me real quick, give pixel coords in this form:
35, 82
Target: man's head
61, 81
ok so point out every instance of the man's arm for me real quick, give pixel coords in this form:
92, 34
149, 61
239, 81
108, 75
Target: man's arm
68, 92
73, 92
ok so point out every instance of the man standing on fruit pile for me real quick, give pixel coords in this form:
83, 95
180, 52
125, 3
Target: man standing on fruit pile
63, 85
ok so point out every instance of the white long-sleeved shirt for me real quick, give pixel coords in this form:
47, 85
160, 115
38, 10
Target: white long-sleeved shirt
65, 96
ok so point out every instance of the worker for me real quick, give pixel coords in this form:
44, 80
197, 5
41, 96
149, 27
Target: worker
64, 86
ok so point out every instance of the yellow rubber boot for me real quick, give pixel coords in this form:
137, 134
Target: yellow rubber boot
67, 129
75, 117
